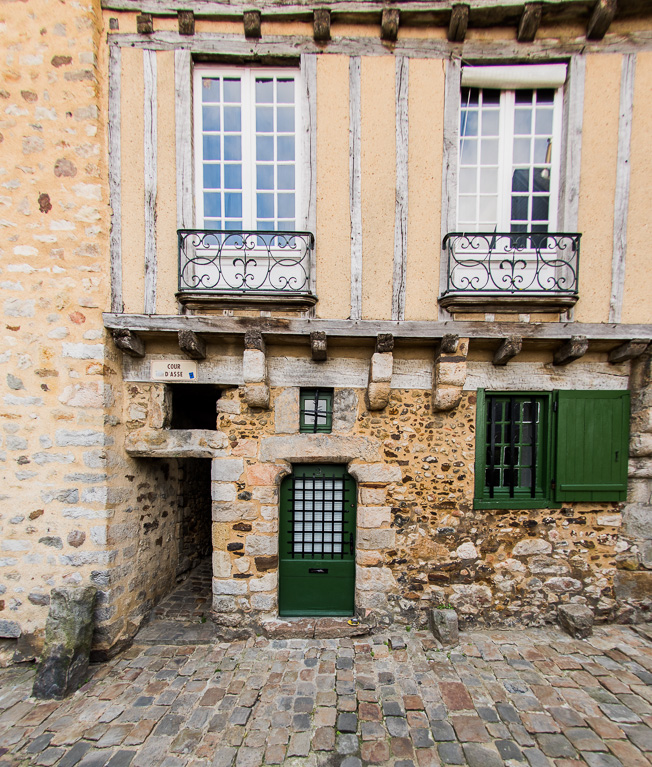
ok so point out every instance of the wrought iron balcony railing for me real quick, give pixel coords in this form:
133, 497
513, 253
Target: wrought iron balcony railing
496, 264
221, 262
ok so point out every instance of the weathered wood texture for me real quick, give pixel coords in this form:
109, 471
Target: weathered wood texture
192, 345
319, 346
621, 198
449, 166
601, 18
627, 351
509, 348
254, 340
150, 158
529, 23
573, 349
321, 25
449, 343
384, 342
252, 24
401, 205
144, 24
183, 127
355, 185
129, 343
571, 154
309, 151
186, 22
389, 23
115, 181
538, 376
369, 329
458, 23
282, 45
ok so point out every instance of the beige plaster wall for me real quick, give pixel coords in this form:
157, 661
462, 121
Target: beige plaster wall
598, 185
378, 163
133, 170
333, 235
426, 126
637, 303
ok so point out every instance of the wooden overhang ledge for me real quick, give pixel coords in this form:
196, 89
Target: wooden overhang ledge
529, 23
321, 25
186, 22
627, 351
318, 346
252, 25
573, 349
509, 348
601, 18
389, 24
458, 23
128, 342
192, 345
144, 24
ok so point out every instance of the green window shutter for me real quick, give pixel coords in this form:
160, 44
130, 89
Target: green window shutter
592, 445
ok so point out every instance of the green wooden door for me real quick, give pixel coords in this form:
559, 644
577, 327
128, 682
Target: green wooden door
317, 542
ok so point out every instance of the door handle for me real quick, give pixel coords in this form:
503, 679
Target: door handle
318, 570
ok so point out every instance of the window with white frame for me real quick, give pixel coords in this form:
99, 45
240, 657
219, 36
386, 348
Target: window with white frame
509, 148
246, 148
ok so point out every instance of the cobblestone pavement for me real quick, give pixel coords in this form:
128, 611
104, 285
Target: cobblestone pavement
191, 600
534, 698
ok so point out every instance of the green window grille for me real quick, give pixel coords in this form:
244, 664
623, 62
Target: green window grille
316, 411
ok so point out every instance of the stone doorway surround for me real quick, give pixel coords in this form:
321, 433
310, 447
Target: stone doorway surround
245, 493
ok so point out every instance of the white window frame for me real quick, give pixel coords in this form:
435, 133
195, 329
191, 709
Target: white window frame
248, 73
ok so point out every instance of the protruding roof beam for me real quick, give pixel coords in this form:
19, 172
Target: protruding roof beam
627, 351
318, 345
144, 24
384, 342
192, 345
321, 25
186, 22
601, 18
509, 348
449, 344
389, 24
573, 349
129, 342
529, 23
458, 23
254, 340
252, 25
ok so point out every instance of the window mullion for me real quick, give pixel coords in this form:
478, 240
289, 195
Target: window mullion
248, 149
506, 154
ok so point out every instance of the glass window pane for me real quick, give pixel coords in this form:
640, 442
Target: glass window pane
285, 148
543, 122
488, 209
469, 122
491, 96
285, 175
285, 118
522, 121
540, 208
519, 208
264, 119
523, 96
210, 89
286, 225
232, 121
232, 90
541, 180
545, 96
521, 180
212, 204
285, 91
541, 150
467, 209
211, 147
264, 176
470, 96
265, 148
490, 119
233, 206
286, 206
488, 180
265, 205
489, 151
211, 118
522, 151
264, 90
233, 177
233, 148
212, 176
469, 152
468, 180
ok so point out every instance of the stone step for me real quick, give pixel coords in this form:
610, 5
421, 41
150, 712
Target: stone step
313, 628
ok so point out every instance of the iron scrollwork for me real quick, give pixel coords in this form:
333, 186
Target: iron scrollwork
490, 263
226, 261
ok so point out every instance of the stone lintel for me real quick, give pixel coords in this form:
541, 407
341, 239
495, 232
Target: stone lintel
176, 443
316, 448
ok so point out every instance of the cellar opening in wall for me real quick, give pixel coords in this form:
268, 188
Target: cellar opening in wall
194, 406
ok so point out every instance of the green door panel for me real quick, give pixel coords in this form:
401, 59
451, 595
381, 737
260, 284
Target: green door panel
317, 542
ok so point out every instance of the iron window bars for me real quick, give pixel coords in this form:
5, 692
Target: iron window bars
514, 263
319, 523
238, 261
316, 411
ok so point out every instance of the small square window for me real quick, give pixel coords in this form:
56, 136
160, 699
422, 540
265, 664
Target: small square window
316, 411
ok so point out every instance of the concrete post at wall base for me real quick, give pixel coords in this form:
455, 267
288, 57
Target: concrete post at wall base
576, 620
68, 634
443, 624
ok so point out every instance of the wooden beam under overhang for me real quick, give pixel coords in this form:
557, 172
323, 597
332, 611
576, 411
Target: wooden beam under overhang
573, 349
279, 327
389, 24
458, 23
128, 342
627, 351
529, 23
321, 25
509, 348
192, 345
318, 345
252, 25
601, 18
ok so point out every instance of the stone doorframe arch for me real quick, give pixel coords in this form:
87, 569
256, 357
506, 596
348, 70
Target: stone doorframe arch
245, 494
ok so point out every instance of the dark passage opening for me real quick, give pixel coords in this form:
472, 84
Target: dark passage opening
194, 406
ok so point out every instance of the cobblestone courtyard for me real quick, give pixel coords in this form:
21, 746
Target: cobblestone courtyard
180, 697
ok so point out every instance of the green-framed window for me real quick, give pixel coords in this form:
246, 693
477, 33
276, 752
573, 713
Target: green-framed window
316, 411
538, 449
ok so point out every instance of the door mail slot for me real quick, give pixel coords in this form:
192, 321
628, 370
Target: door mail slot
318, 570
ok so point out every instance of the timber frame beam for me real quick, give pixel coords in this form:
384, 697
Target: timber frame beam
278, 328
